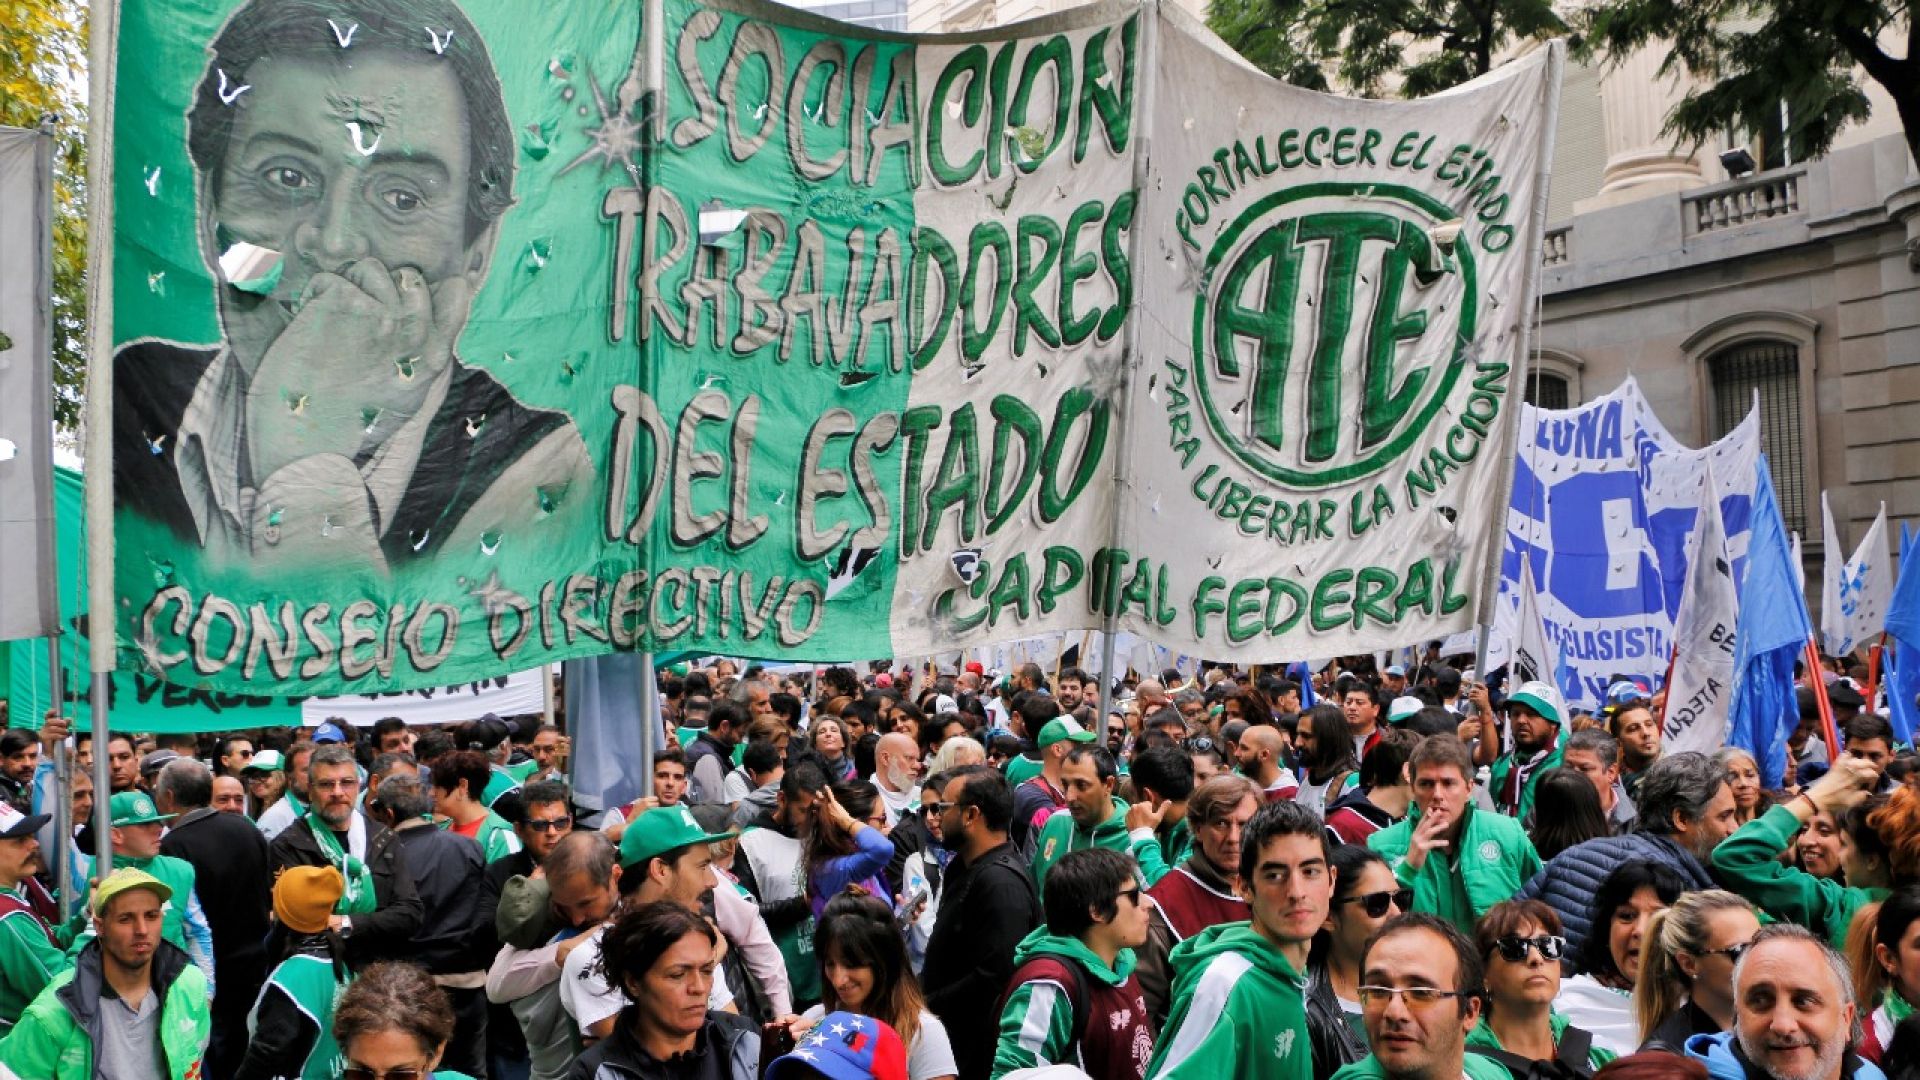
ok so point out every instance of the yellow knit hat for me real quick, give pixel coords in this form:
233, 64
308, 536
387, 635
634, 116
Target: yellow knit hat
304, 897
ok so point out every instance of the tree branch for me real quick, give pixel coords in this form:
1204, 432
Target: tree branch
1885, 69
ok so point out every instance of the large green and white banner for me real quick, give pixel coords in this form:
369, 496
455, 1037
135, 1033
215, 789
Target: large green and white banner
441, 352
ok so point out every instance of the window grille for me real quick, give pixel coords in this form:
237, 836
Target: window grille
1546, 390
1772, 370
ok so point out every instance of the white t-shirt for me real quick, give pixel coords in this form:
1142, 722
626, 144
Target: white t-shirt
897, 803
589, 1000
1602, 1010
930, 1055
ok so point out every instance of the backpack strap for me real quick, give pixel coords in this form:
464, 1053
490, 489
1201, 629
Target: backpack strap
1576, 1050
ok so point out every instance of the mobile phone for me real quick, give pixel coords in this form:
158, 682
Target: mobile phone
913, 901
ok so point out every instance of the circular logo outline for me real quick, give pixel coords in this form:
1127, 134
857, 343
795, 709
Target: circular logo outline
1392, 448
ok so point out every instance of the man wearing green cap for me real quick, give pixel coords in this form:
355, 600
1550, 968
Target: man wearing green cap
1534, 716
664, 855
132, 1004
137, 824
1044, 794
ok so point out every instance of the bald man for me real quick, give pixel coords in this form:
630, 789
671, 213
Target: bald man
896, 772
1152, 697
1259, 756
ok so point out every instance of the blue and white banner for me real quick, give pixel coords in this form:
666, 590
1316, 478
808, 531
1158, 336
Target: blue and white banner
1605, 502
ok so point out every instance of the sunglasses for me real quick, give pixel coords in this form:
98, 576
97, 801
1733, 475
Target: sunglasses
1733, 953
548, 825
1376, 902
361, 1072
1513, 948
1200, 745
1132, 894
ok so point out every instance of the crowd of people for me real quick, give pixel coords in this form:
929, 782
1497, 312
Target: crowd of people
957, 874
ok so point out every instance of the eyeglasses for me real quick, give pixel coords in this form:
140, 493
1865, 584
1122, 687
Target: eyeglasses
1376, 902
361, 1072
1417, 997
935, 808
1733, 953
548, 825
1513, 948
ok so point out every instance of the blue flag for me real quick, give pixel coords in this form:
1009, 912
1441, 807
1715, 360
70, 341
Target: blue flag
1299, 672
1903, 626
1772, 633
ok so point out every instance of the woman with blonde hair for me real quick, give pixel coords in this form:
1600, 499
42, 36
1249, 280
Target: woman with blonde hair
1685, 986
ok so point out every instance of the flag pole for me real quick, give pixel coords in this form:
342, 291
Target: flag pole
103, 48
1873, 669
1831, 733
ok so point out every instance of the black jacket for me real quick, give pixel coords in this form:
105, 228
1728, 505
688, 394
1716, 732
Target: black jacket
388, 932
1685, 1022
729, 1049
448, 872
1332, 1039
911, 837
985, 909
235, 887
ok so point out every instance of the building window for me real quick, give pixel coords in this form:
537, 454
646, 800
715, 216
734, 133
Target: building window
1770, 369
1546, 390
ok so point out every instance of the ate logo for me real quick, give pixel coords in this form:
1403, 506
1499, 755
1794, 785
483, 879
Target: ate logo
1332, 322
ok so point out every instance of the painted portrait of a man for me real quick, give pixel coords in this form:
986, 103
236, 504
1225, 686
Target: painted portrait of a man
353, 160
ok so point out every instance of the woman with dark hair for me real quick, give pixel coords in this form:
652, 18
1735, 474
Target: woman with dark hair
1246, 704
1566, 811
394, 1021
1325, 754
1599, 996
1365, 896
828, 737
1521, 944
864, 969
1871, 826
1886, 969
660, 955
846, 845
290, 1030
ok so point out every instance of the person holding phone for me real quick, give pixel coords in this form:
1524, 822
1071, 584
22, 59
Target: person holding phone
864, 970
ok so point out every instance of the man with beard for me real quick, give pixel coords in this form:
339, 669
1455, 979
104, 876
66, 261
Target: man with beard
1534, 717
579, 889
1794, 1014
1239, 1012
988, 904
1074, 687
1198, 893
380, 912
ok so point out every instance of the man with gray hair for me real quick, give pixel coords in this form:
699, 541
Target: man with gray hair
379, 912
1685, 809
1596, 755
1795, 1017
229, 860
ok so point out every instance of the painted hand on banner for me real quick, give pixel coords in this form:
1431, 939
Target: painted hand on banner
356, 361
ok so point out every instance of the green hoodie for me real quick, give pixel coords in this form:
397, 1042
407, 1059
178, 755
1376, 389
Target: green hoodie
1748, 861
1158, 855
1239, 1011
1477, 1067
1491, 862
1029, 1045
1060, 835
1483, 1038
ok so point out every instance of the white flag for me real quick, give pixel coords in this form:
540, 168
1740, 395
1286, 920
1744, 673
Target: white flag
1701, 691
1834, 637
1533, 658
1866, 586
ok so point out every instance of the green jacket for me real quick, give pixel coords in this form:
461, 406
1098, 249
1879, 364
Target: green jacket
1239, 1011
496, 838
1158, 855
29, 958
499, 782
55, 1037
309, 984
1496, 781
1060, 835
1482, 1037
1493, 856
1024, 1046
1020, 768
1478, 1068
1748, 863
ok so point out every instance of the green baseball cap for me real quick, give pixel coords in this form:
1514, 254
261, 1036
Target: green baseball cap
266, 761
135, 808
1063, 727
127, 879
661, 830
1542, 699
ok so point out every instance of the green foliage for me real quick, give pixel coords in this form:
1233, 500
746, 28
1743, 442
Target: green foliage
1362, 46
1750, 57
42, 74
